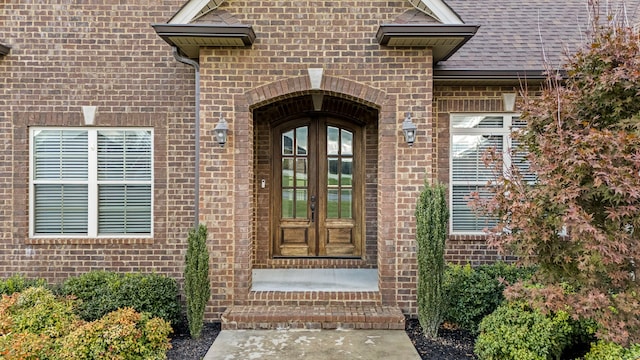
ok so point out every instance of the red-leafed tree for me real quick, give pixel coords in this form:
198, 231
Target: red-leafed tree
580, 220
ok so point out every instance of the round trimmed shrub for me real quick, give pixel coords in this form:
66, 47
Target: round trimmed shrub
517, 332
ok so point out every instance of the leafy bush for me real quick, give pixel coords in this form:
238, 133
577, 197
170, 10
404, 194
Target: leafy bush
473, 293
31, 321
123, 334
18, 282
432, 216
102, 292
516, 331
603, 350
37, 325
196, 276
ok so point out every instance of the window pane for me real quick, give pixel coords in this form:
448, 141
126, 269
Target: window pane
476, 122
345, 204
333, 140
347, 142
301, 172
60, 155
467, 157
124, 209
60, 209
287, 143
347, 172
287, 203
301, 204
333, 169
124, 155
463, 218
287, 172
332, 204
302, 140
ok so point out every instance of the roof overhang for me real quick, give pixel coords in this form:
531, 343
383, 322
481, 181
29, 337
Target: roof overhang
190, 37
490, 76
4, 50
444, 39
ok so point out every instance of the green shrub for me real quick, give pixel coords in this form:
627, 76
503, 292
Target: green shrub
516, 332
123, 334
18, 282
196, 276
432, 216
603, 350
102, 292
31, 321
473, 293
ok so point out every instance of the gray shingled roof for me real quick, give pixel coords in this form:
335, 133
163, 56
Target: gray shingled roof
513, 34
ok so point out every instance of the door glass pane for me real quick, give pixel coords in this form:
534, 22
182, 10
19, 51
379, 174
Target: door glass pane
345, 203
333, 140
332, 204
347, 142
347, 172
302, 140
287, 172
301, 172
301, 204
333, 172
287, 143
287, 203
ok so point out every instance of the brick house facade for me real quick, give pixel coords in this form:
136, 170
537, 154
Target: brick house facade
271, 69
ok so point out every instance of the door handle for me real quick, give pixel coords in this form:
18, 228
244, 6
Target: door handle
313, 208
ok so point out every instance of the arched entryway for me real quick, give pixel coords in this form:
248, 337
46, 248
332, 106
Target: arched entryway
316, 165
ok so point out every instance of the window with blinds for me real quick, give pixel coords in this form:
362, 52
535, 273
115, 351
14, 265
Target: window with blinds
91, 182
471, 136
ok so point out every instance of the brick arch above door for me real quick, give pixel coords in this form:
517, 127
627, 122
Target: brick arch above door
242, 127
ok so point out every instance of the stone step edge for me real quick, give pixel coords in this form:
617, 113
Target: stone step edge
312, 317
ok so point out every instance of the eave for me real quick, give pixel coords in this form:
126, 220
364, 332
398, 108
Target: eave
444, 39
451, 76
190, 37
4, 50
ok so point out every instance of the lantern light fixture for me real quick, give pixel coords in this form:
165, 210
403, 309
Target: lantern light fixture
220, 131
409, 130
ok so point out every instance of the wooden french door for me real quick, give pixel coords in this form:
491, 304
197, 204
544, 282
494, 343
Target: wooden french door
318, 189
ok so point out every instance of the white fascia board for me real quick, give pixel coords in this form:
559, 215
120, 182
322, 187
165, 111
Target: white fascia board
191, 9
443, 11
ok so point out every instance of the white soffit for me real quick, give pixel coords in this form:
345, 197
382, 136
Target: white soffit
193, 10
438, 10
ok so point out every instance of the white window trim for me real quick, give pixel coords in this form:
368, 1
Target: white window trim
505, 131
92, 182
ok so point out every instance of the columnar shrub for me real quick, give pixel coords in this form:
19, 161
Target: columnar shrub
196, 276
432, 218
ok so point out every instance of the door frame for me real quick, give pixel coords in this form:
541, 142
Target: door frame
318, 124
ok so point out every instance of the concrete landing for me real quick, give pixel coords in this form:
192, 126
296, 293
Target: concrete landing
312, 345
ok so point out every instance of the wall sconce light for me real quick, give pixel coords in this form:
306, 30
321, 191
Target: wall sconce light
409, 129
220, 131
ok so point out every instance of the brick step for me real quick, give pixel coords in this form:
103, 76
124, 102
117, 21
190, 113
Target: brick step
314, 298
313, 317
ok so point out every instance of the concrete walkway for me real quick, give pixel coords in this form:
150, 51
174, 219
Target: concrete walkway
312, 345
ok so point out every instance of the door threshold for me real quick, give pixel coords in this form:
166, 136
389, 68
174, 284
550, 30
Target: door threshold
331, 280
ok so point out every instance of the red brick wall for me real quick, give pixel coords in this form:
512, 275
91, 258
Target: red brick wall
104, 53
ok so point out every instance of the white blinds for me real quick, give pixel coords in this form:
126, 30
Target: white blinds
91, 181
472, 135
